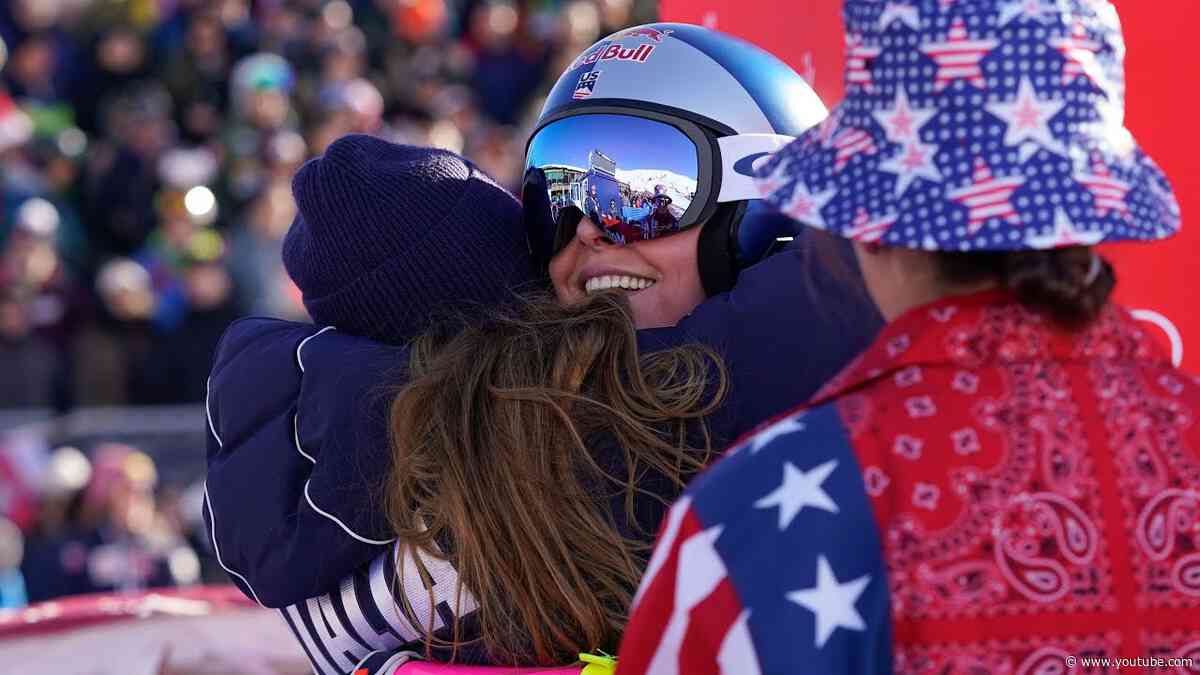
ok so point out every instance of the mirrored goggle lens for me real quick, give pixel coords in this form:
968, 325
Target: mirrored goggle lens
634, 178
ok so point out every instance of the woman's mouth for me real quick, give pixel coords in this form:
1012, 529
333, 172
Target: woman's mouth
620, 281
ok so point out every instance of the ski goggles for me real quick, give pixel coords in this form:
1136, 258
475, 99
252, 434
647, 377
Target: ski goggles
636, 174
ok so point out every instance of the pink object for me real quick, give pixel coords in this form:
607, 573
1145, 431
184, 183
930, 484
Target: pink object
420, 668
68, 614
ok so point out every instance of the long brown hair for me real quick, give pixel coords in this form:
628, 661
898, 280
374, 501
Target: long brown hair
495, 469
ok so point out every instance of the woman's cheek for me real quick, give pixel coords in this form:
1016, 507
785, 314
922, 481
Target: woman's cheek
561, 267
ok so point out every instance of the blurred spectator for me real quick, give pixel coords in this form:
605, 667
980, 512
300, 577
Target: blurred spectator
67, 473
509, 64
121, 180
29, 362
111, 352
118, 60
12, 551
40, 305
196, 77
42, 52
264, 287
113, 538
177, 366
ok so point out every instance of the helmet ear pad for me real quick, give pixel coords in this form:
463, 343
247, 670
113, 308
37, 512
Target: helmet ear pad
716, 250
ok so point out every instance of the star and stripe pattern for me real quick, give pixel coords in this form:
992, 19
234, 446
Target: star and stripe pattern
988, 196
867, 230
850, 143
900, 11
914, 161
976, 126
1028, 118
958, 57
1079, 55
1022, 9
702, 608
1108, 191
858, 56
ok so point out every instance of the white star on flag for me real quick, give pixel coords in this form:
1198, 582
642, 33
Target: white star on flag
1028, 118
782, 428
798, 490
857, 55
832, 602
902, 122
1079, 55
1107, 190
958, 57
1028, 9
805, 207
988, 197
1064, 234
914, 161
905, 12
868, 230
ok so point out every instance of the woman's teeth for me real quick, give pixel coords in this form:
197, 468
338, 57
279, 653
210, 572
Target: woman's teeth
596, 284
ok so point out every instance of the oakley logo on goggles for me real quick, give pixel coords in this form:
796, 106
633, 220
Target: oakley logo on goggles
636, 175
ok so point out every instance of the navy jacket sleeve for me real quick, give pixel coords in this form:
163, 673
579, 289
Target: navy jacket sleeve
791, 323
291, 499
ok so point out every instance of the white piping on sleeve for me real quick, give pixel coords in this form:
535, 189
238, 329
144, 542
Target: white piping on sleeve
212, 520
299, 347
377, 542
208, 412
296, 436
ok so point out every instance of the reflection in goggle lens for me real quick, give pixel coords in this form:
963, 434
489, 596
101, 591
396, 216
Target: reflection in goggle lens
631, 176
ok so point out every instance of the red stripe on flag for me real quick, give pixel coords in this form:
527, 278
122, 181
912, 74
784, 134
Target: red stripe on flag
644, 632
710, 622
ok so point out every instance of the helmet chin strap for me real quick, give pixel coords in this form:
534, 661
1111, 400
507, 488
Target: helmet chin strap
716, 251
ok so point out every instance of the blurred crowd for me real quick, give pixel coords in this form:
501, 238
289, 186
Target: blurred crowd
146, 152
99, 524
146, 149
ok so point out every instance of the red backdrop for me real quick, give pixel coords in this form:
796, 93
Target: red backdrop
1163, 67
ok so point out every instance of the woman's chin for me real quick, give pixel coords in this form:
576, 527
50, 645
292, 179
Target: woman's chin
649, 310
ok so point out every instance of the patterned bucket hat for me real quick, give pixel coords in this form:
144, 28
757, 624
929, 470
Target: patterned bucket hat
974, 125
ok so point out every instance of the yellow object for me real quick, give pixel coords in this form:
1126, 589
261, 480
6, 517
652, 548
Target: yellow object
598, 664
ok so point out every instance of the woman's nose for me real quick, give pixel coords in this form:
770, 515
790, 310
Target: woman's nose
590, 235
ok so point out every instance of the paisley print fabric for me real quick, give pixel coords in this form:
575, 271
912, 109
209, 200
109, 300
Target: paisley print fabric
1037, 491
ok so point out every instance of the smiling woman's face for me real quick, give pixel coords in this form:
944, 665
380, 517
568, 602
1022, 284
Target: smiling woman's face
660, 276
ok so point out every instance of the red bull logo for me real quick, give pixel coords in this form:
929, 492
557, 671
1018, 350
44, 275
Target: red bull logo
614, 52
646, 32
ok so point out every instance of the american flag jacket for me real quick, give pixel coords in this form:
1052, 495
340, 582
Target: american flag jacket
980, 492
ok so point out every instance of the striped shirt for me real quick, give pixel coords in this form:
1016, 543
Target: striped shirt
391, 604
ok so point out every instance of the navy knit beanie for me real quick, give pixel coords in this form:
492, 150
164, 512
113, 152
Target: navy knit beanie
389, 236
